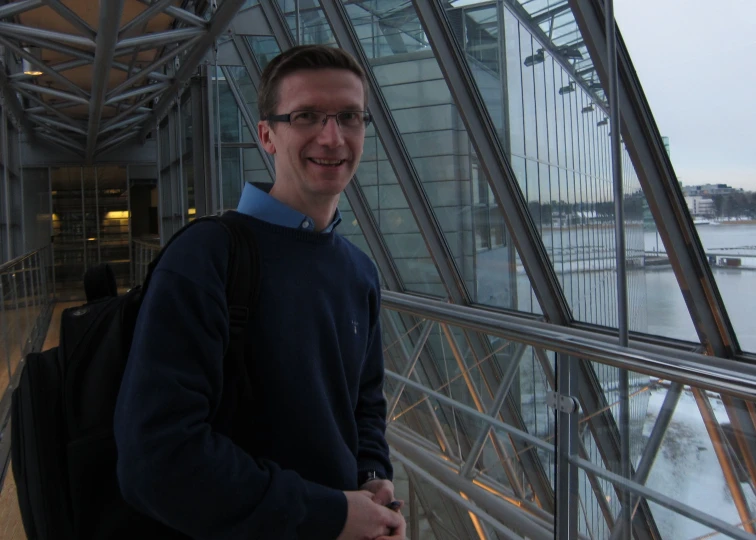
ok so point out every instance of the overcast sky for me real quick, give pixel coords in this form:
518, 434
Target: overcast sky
696, 61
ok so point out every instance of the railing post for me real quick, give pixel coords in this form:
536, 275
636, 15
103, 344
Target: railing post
27, 330
567, 445
5, 327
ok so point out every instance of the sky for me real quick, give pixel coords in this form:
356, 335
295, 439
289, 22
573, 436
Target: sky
696, 61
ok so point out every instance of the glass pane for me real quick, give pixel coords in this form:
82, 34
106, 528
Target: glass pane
265, 48
114, 219
423, 109
253, 165
395, 219
68, 231
559, 155
313, 26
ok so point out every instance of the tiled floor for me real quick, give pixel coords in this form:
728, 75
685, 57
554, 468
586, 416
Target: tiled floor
10, 516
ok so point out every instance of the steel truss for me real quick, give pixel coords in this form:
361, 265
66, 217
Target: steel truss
725, 377
51, 103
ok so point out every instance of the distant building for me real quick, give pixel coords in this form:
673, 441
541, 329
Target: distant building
708, 189
700, 206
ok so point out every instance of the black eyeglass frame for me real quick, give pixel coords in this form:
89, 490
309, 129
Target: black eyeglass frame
366, 117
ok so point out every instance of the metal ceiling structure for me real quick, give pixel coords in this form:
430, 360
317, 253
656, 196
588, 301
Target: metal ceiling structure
90, 76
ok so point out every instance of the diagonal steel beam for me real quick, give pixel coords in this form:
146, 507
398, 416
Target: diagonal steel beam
59, 68
498, 446
21, 31
59, 106
409, 367
68, 14
58, 135
16, 8
150, 41
111, 12
149, 71
663, 419
63, 66
153, 10
45, 107
117, 139
123, 123
513, 370
158, 76
44, 120
136, 92
54, 138
57, 47
138, 106
182, 15
218, 24
44, 68
51, 92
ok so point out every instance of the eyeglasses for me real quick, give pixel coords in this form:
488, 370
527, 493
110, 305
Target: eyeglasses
351, 120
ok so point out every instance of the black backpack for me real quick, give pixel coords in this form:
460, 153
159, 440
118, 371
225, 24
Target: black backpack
62, 444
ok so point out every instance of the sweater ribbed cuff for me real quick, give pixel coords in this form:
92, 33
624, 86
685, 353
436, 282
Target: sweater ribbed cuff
366, 465
326, 513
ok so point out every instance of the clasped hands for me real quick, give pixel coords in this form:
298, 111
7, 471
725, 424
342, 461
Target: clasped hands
368, 518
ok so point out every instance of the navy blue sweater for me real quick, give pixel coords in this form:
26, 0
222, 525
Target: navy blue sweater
316, 366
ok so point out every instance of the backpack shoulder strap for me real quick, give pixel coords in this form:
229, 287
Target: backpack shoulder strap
154, 262
243, 291
243, 288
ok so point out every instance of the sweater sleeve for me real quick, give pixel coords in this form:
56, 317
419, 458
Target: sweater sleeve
373, 451
171, 465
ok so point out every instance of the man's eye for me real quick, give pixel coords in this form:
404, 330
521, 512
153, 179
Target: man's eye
305, 117
351, 118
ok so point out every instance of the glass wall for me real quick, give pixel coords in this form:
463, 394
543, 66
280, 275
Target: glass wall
90, 225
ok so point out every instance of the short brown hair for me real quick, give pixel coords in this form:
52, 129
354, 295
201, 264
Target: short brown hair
302, 57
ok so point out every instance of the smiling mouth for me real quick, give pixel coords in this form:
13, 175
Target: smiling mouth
327, 162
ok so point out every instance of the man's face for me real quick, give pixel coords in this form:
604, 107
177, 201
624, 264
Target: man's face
316, 161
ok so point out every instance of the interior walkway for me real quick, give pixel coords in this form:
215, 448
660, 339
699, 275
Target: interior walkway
11, 527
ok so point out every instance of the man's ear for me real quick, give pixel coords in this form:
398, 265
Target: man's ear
263, 132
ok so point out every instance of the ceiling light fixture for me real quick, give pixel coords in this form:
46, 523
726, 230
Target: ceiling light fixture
567, 89
28, 67
532, 60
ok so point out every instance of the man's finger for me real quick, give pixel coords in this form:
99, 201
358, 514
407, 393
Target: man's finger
394, 520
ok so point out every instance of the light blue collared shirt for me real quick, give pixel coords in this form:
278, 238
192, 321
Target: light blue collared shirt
259, 204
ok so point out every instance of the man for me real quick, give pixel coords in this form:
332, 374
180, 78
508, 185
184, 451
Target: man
313, 463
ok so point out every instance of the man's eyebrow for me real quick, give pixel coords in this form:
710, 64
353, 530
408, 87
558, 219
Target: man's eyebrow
306, 107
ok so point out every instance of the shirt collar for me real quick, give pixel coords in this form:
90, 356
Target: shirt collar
255, 201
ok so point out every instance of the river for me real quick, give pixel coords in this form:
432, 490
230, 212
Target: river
667, 313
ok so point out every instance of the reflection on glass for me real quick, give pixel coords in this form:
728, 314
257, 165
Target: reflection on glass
264, 48
313, 26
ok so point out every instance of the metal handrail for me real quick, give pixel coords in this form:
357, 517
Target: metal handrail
31, 280
143, 253
731, 377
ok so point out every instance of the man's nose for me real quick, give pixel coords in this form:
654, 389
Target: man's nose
331, 134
